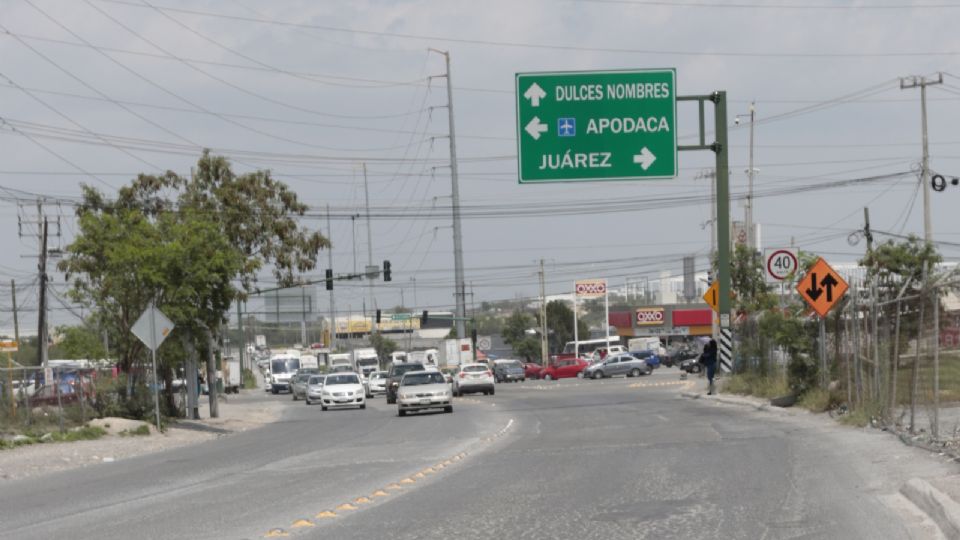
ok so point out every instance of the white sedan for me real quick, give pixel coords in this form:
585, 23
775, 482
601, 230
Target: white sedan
342, 390
421, 390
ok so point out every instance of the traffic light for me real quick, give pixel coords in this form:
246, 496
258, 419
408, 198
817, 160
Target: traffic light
329, 279
378, 316
423, 318
386, 271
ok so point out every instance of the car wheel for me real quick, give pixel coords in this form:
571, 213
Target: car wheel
363, 406
322, 408
274, 391
493, 392
598, 374
548, 377
307, 402
523, 379
636, 372
401, 412
448, 409
580, 375
649, 371
293, 395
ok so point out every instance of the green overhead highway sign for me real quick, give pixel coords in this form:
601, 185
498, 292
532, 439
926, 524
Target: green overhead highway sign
596, 125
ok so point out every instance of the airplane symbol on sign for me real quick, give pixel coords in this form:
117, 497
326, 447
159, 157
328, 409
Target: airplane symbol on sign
566, 127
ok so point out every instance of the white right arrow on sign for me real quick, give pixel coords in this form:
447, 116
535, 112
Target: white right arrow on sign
645, 158
535, 94
535, 128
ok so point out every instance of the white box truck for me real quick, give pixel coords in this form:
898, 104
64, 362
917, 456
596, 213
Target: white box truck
365, 360
456, 352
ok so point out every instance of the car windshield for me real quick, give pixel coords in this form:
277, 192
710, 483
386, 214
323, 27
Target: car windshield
427, 377
404, 368
284, 365
316, 380
475, 368
511, 364
376, 375
346, 378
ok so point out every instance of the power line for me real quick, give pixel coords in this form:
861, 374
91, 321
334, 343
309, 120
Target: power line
527, 45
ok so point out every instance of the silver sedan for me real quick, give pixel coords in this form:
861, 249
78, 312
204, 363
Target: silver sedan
421, 390
314, 389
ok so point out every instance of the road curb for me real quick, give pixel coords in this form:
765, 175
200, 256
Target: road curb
943, 510
739, 401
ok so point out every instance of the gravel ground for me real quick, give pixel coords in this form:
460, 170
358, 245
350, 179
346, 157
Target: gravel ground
237, 413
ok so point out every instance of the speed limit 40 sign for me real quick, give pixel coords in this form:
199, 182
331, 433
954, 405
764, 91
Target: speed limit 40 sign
781, 264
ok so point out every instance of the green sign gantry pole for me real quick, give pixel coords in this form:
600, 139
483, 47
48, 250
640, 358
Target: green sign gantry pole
721, 150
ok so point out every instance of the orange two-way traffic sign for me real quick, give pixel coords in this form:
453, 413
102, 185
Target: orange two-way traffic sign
712, 296
822, 287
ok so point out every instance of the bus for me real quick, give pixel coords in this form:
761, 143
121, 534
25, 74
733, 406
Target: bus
583, 348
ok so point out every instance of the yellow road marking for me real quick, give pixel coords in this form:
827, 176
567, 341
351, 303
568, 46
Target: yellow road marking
276, 533
346, 506
362, 500
394, 486
380, 493
326, 514
407, 481
300, 523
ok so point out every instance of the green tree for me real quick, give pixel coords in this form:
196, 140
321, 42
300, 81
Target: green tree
383, 345
560, 325
78, 342
184, 244
515, 334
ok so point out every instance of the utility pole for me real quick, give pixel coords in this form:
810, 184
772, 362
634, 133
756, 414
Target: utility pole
370, 276
923, 83
240, 340
333, 310
751, 240
460, 287
543, 318
16, 320
42, 309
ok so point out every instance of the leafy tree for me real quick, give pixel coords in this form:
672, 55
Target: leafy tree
78, 342
560, 325
514, 333
383, 345
184, 243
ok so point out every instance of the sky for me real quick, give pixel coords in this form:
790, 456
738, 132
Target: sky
95, 91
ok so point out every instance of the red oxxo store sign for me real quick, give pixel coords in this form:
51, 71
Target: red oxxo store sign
649, 316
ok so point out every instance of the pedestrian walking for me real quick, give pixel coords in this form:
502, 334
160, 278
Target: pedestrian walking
708, 359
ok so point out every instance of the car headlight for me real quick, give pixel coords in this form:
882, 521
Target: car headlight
404, 396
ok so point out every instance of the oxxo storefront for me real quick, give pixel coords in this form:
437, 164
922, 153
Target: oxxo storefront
667, 321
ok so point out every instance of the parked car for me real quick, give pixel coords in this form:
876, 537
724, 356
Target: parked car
532, 370
472, 378
314, 389
342, 390
396, 372
376, 383
620, 364
298, 385
422, 390
651, 358
565, 369
508, 371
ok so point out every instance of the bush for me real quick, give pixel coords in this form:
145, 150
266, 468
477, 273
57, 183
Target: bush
752, 384
249, 381
140, 431
819, 400
802, 372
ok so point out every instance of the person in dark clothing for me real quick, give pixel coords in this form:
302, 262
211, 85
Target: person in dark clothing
709, 361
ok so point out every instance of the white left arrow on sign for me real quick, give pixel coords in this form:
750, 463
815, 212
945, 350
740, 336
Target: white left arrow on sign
645, 158
535, 128
535, 94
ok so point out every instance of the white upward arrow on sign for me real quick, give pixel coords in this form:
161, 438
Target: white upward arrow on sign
535, 128
535, 94
645, 158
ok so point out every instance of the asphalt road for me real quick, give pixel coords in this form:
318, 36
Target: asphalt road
623, 458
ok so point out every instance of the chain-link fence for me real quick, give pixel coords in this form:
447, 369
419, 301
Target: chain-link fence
33, 396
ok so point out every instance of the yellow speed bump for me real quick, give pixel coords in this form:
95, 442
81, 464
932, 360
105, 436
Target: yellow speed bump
276, 533
380, 493
346, 506
394, 486
362, 500
419, 475
407, 481
301, 523
326, 514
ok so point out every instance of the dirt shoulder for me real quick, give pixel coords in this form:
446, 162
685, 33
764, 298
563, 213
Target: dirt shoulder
237, 414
